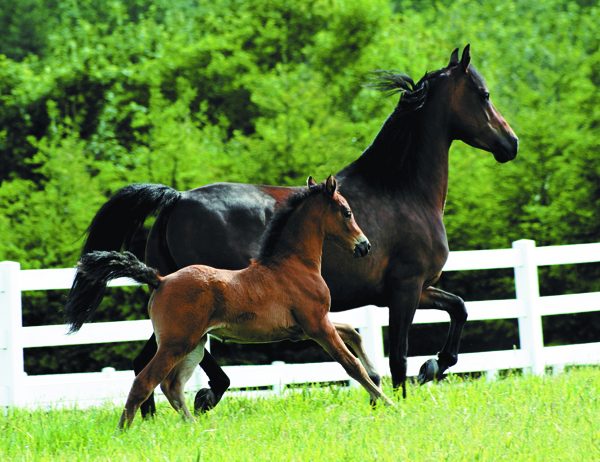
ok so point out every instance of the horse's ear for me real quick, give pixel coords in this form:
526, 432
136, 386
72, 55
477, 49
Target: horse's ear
311, 182
466, 58
454, 59
331, 185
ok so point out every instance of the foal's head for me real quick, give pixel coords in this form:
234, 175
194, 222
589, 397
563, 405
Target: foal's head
324, 206
338, 221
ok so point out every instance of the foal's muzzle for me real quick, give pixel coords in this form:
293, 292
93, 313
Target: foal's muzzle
362, 248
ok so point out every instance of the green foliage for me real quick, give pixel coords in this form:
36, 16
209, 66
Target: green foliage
95, 95
25, 26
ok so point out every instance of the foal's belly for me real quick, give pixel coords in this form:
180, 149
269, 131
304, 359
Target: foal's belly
256, 332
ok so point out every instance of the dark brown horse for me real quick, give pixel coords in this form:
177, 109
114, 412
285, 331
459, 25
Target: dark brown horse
280, 296
397, 188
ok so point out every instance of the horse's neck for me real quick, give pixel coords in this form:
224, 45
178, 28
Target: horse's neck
428, 181
301, 240
432, 168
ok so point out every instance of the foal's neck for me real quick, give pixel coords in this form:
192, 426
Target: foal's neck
302, 237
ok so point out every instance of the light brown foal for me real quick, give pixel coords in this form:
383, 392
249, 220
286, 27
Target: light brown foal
280, 296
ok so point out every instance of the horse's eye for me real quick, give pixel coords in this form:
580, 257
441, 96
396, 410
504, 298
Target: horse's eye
347, 214
485, 95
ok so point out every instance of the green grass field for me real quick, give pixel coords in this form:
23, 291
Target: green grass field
512, 419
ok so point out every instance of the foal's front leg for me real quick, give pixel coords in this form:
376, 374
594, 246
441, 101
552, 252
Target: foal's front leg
326, 335
353, 338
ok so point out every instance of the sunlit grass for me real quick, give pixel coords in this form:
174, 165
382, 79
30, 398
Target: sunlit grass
515, 418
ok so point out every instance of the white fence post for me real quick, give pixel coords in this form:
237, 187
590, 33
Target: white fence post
528, 291
11, 322
372, 337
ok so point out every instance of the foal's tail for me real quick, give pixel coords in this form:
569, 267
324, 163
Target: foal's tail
114, 227
95, 270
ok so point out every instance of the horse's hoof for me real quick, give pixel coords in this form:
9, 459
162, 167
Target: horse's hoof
429, 371
204, 401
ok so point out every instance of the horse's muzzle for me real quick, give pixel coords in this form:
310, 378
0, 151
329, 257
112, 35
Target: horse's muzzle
362, 248
507, 150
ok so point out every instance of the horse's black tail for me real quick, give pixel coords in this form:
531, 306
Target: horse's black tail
95, 270
117, 221
113, 227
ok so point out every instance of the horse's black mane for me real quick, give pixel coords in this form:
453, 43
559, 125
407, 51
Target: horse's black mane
393, 82
391, 160
270, 237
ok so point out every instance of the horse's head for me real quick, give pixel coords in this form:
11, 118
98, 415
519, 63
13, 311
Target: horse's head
339, 224
473, 118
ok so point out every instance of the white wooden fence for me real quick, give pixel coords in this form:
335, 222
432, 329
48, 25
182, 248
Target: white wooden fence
19, 389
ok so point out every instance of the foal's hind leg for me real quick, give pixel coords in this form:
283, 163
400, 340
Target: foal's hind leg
148, 407
174, 384
144, 384
353, 338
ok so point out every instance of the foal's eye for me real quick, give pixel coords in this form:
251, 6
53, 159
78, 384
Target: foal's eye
485, 95
347, 214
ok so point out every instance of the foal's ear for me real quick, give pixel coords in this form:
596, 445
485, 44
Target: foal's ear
466, 58
454, 59
331, 185
311, 182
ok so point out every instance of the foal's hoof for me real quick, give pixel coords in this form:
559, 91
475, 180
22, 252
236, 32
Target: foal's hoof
429, 371
376, 378
205, 400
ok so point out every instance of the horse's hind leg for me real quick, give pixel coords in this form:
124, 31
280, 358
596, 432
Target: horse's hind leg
145, 383
207, 398
353, 338
148, 407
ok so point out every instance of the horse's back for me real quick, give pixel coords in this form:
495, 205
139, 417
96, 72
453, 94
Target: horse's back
220, 224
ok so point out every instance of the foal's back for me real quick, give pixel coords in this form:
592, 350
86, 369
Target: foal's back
253, 305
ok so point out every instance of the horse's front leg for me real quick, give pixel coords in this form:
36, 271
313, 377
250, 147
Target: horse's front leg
403, 305
436, 299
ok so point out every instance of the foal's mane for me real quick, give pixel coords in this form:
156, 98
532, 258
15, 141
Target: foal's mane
270, 237
390, 162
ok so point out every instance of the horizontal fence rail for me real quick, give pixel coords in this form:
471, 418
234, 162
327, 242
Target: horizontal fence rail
19, 389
